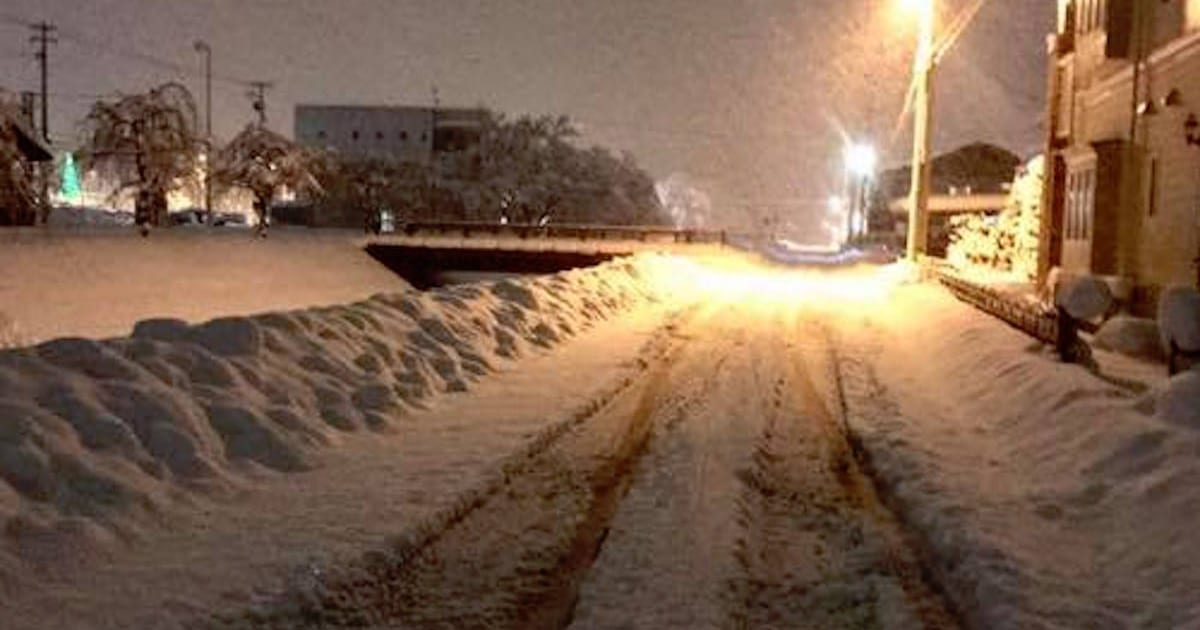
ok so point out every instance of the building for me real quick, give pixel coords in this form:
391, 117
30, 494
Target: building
973, 179
398, 133
1121, 185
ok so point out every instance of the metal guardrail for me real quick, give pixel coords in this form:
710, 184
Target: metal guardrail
466, 229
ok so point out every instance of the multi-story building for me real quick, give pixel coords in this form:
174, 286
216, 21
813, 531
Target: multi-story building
399, 133
1122, 185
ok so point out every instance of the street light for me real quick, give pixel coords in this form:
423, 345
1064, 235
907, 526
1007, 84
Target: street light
923, 69
203, 48
860, 159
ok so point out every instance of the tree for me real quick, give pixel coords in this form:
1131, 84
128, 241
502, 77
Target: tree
355, 191
530, 170
147, 142
20, 198
264, 163
1007, 242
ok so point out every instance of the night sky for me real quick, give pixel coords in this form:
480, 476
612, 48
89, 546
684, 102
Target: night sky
750, 98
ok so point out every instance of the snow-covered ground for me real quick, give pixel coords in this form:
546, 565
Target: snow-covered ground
1048, 496
104, 443
98, 282
544, 443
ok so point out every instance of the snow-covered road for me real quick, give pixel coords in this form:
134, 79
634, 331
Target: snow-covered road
715, 490
654, 443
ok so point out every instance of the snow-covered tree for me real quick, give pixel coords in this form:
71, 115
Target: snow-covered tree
265, 163
19, 196
147, 142
1008, 241
530, 170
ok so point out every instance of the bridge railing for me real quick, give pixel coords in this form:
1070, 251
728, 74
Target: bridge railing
649, 234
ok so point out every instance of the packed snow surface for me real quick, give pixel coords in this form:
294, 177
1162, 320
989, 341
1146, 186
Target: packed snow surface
98, 282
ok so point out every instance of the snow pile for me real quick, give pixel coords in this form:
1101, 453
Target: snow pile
1131, 336
1179, 402
1179, 318
96, 434
1047, 497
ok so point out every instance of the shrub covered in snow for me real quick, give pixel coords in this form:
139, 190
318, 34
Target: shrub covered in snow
1085, 297
1009, 241
1179, 318
1179, 402
1131, 336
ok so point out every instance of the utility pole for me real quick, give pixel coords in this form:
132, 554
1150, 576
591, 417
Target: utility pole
44, 36
258, 95
203, 48
918, 199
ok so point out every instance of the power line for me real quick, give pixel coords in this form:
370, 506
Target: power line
81, 39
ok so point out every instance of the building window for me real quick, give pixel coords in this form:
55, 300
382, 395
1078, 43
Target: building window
379, 135
424, 137
321, 134
1080, 204
403, 136
354, 135
1090, 15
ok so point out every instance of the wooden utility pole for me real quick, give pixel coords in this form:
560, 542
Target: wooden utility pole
44, 36
918, 198
258, 96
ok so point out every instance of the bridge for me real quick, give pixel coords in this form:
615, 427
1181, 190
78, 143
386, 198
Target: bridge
428, 254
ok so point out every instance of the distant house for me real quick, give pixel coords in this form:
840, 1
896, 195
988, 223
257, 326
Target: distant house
20, 148
396, 133
972, 179
1122, 179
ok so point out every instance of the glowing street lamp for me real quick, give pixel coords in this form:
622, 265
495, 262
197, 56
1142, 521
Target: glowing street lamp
918, 198
861, 160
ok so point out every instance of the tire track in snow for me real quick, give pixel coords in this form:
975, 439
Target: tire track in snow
818, 549
666, 558
510, 553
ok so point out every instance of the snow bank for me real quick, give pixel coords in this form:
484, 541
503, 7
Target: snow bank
1131, 336
97, 434
1048, 497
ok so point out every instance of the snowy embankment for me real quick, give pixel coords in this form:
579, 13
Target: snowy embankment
98, 282
98, 436
1048, 497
